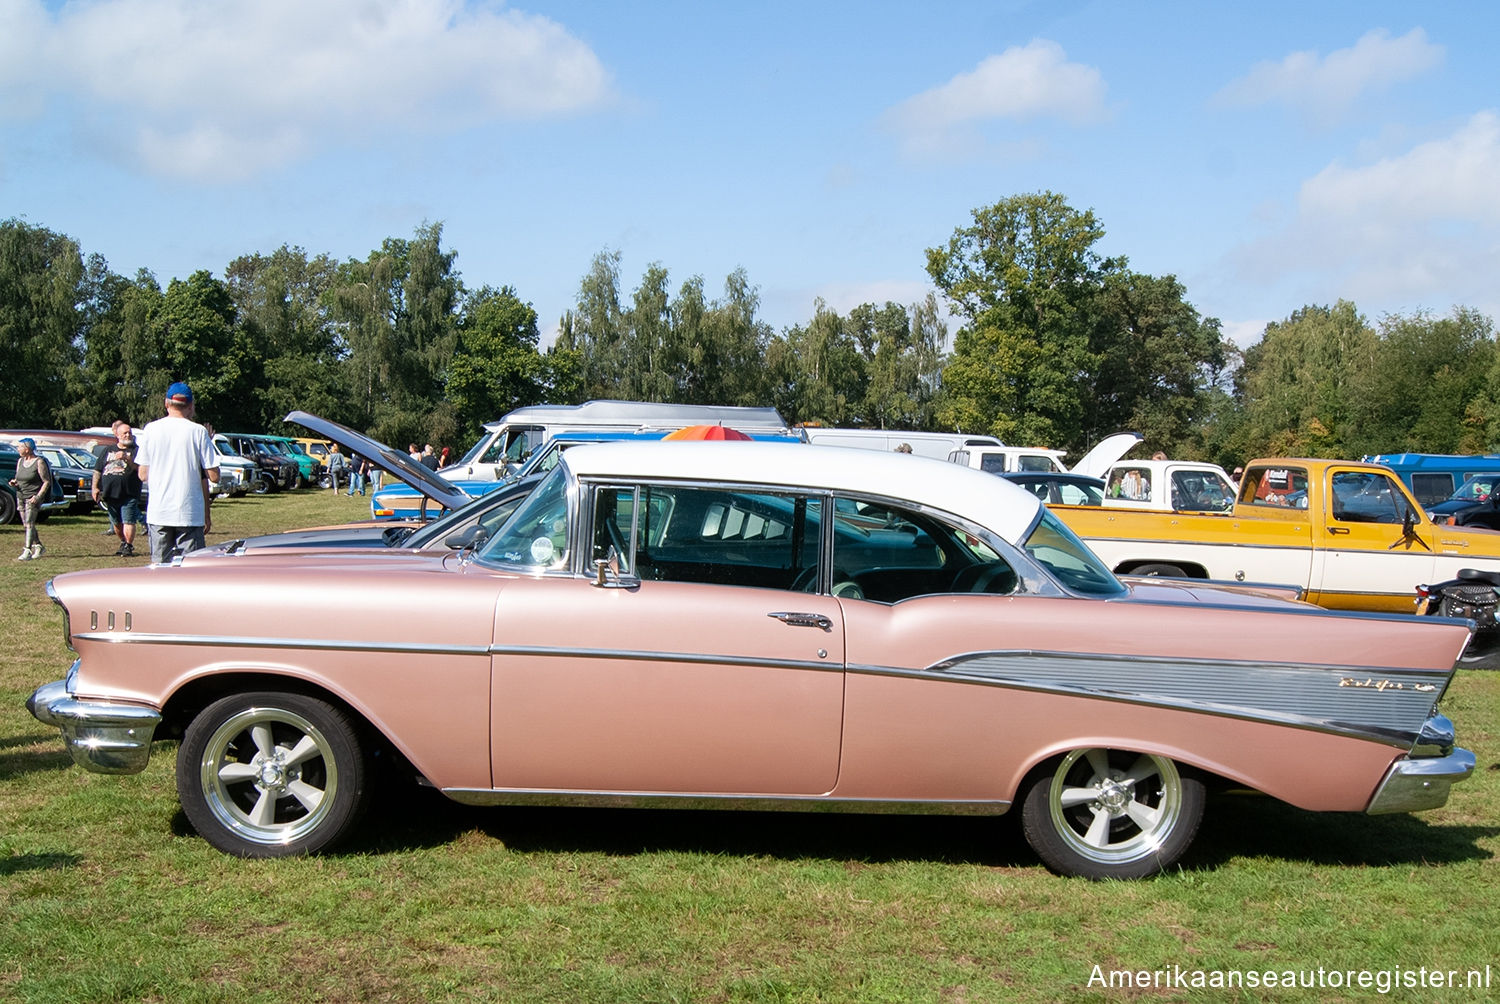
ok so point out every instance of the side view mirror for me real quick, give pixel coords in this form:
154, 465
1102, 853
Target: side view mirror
471, 537
607, 574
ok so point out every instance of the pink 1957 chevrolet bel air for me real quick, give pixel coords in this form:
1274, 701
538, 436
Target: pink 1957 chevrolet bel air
752, 625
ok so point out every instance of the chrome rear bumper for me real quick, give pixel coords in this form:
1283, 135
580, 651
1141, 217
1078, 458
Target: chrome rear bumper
1421, 781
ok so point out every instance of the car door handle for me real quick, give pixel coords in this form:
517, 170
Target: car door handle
796, 619
1338, 529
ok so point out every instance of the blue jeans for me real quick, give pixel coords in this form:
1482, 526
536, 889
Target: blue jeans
356, 482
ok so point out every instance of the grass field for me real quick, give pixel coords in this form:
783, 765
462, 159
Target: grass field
106, 894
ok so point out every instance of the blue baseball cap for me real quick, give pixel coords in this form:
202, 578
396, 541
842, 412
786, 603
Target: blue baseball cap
30, 443
180, 392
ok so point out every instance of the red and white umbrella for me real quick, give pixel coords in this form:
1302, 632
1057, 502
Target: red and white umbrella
714, 432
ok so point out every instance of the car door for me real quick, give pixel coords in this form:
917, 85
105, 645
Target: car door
1368, 560
699, 669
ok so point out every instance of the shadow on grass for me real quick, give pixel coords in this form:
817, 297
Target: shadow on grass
410, 818
18, 863
1255, 826
1234, 826
31, 761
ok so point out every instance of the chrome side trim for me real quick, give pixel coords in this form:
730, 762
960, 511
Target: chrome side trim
320, 644
1387, 705
101, 737
1417, 784
751, 803
558, 652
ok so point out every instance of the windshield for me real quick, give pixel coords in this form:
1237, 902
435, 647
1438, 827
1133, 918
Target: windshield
1477, 488
536, 535
1076, 568
488, 511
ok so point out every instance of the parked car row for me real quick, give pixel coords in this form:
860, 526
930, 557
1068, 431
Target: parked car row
743, 625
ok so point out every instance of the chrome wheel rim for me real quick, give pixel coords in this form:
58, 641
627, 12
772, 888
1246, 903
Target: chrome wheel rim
269, 776
1115, 806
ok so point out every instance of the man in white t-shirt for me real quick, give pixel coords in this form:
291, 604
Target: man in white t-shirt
177, 460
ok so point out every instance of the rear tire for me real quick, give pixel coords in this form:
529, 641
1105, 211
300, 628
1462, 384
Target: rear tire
268, 775
1111, 814
7, 507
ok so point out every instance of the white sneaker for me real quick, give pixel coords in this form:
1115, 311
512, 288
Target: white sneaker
25, 554
37, 550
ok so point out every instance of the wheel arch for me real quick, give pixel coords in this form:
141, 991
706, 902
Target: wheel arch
1188, 763
196, 694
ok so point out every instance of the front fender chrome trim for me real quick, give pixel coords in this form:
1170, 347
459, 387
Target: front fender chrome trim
315, 644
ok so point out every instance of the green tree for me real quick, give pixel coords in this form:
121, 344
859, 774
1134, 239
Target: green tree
1429, 375
396, 319
595, 329
288, 343
1303, 383
193, 334
1060, 345
41, 273
496, 365
1025, 279
1156, 361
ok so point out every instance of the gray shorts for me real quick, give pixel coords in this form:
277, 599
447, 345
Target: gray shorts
168, 540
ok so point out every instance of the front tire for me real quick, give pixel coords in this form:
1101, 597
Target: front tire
266, 775
1112, 814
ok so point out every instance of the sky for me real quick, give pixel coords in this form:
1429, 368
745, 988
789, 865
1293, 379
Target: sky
1269, 155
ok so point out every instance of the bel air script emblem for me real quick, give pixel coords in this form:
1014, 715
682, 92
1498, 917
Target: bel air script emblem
1370, 683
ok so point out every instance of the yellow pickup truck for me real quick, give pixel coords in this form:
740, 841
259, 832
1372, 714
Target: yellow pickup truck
1349, 534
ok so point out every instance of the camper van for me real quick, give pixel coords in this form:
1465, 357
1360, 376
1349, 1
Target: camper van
938, 445
510, 440
1434, 477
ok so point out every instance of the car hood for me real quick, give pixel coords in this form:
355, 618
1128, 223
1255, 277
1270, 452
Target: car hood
394, 462
1098, 460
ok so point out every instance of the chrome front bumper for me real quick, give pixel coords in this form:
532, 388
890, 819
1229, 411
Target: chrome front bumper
1421, 781
103, 738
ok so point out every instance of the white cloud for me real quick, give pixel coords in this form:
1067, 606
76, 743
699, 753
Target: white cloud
219, 91
1325, 87
1022, 83
1420, 229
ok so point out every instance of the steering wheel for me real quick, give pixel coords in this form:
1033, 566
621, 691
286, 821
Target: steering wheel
843, 583
979, 578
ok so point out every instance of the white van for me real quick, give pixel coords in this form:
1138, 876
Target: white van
938, 445
1008, 459
510, 440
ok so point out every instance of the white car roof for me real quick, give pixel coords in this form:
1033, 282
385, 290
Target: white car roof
974, 495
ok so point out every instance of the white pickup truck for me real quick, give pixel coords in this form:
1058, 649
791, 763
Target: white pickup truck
998, 459
1168, 486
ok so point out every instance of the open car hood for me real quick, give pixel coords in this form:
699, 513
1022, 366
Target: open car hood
394, 462
1109, 449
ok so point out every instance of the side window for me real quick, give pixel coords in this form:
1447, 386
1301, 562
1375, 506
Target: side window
1431, 488
1034, 463
1282, 487
1366, 497
992, 463
712, 535
1132, 484
888, 553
